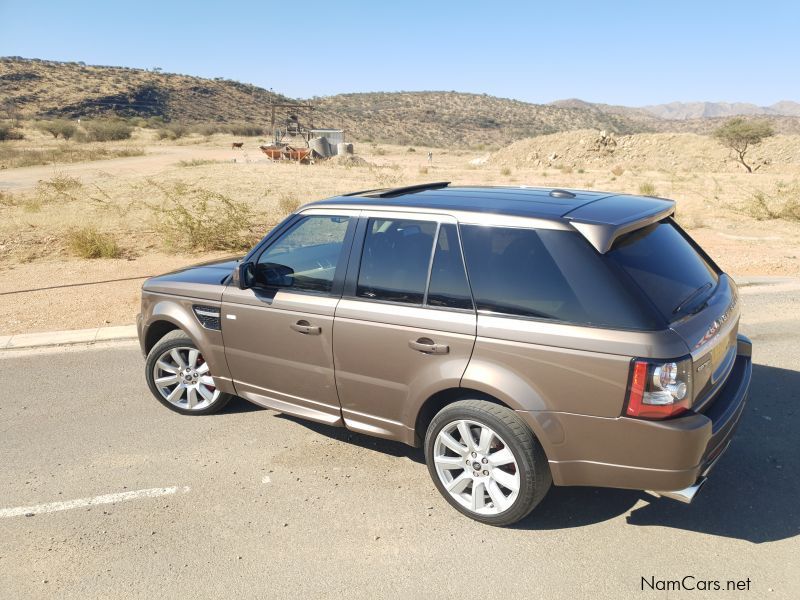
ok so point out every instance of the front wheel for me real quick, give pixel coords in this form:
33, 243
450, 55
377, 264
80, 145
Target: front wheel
486, 462
179, 377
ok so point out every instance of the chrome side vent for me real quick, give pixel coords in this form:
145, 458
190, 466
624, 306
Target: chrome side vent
207, 315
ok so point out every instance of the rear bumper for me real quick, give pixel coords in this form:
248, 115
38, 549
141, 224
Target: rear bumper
645, 455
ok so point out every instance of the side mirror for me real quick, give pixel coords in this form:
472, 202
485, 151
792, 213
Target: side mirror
247, 275
275, 275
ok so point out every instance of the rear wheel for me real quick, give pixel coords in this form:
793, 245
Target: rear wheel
180, 378
486, 462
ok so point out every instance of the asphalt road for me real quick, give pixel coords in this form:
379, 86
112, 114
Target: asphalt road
252, 504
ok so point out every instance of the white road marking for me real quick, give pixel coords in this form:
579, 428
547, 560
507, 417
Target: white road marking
266, 479
82, 502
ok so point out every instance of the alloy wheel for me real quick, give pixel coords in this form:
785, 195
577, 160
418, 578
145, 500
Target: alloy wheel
182, 377
476, 467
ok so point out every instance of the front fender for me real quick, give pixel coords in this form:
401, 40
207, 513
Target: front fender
178, 311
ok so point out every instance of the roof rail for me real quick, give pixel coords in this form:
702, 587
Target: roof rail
410, 189
392, 192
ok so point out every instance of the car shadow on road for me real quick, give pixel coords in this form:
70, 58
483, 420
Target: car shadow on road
752, 494
381, 445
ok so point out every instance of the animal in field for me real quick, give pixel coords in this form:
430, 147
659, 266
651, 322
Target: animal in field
235, 145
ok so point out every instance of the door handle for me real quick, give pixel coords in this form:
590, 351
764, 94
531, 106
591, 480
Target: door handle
304, 326
428, 346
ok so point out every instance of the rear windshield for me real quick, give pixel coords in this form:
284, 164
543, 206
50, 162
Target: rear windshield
670, 272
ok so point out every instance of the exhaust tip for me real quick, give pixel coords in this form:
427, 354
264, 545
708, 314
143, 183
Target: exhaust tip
685, 495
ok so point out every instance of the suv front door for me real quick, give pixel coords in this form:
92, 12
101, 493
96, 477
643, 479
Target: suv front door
277, 334
405, 326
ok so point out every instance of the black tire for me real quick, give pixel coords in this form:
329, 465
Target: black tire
534, 473
177, 339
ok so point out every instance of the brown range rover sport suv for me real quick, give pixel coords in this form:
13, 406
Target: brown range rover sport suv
522, 336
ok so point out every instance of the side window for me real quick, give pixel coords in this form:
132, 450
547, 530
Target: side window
549, 274
448, 286
395, 259
305, 257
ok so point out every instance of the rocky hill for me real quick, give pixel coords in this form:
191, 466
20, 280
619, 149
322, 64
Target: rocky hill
45, 89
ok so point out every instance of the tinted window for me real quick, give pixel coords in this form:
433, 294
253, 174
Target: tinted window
448, 286
666, 267
305, 257
549, 274
395, 259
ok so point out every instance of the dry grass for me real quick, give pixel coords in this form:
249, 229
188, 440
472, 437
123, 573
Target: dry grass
87, 242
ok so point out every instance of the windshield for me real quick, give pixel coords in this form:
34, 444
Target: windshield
668, 269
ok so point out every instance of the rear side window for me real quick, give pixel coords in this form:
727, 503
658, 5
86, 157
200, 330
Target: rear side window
448, 287
395, 260
549, 274
671, 273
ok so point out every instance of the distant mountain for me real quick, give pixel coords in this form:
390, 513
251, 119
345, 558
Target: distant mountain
703, 110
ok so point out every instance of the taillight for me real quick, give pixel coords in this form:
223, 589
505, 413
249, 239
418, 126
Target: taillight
659, 389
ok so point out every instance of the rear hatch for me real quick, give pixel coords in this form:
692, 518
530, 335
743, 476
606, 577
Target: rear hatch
695, 299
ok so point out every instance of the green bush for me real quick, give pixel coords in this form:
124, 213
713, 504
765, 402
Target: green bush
87, 242
106, 130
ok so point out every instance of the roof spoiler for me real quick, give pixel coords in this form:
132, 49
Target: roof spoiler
603, 221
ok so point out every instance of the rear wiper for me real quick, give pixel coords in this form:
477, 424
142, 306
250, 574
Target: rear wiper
691, 296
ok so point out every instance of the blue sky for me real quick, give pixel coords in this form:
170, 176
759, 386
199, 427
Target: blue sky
631, 53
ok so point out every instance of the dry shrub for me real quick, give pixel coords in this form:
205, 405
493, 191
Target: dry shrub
61, 183
505, 171
423, 170
198, 162
87, 242
617, 170
782, 203
8, 132
288, 203
647, 189
196, 219
107, 130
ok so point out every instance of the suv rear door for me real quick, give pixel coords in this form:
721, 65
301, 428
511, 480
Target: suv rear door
405, 326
